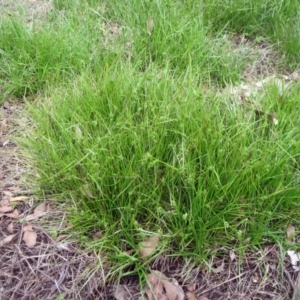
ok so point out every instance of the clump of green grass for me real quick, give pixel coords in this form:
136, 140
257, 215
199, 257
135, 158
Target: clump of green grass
34, 57
276, 20
138, 153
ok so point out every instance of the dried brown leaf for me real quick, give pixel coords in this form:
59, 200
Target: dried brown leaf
191, 296
5, 143
232, 255
159, 291
40, 209
191, 287
7, 239
153, 279
202, 298
29, 237
30, 217
14, 214
4, 202
89, 193
273, 118
156, 290
5, 209
295, 258
120, 293
219, 269
19, 198
255, 278
27, 227
10, 227
173, 292
7, 193
148, 247
149, 294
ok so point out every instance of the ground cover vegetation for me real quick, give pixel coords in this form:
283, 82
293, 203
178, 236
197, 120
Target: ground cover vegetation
129, 125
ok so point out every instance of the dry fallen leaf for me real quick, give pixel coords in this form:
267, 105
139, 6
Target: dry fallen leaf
219, 269
148, 247
7, 239
7, 193
191, 287
150, 25
156, 292
255, 278
294, 259
30, 217
273, 118
290, 232
19, 198
89, 193
173, 291
27, 227
162, 289
232, 255
40, 209
5, 143
202, 298
191, 296
10, 227
4, 202
149, 294
14, 214
29, 236
5, 209
120, 293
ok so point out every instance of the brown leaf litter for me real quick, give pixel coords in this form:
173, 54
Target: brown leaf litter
258, 274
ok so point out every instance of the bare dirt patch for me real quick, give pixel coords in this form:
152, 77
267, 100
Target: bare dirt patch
33, 9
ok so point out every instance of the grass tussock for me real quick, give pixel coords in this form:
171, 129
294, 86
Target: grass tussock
132, 132
145, 154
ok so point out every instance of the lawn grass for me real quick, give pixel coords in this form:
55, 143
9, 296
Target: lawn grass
276, 19
132, 133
